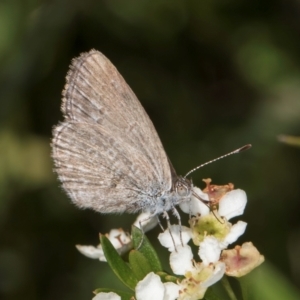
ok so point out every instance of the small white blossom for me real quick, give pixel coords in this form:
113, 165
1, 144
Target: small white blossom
119, 239
196, 206
92, 252
230, 205
147, 220
107, 296
199, 278
151, 288
175, 237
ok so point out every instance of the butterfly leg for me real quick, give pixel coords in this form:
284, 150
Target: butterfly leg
159, 223
166, 216
177, 215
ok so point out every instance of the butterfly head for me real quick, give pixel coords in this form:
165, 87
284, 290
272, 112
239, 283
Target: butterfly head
182, 187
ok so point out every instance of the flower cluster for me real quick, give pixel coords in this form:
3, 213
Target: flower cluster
211, 233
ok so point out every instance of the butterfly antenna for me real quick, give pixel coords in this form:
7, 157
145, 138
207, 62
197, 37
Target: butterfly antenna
246, 147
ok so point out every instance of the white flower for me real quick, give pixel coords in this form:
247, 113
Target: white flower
228, 205
175, 236
119, 239
151, 288
208, 226
196, 206
199, 278
107, 296
92, 252
146, 220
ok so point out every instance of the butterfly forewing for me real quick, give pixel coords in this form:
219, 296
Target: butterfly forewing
96, 92
107, 150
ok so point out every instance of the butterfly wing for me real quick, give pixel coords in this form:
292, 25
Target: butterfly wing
107, 153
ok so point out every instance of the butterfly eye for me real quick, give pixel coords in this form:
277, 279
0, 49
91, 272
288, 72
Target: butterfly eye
181, 189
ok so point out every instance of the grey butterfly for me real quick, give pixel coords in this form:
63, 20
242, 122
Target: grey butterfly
107, 153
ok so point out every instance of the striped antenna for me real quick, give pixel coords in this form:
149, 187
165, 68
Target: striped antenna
246, 147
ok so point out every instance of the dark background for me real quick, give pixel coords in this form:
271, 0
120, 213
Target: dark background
212, 75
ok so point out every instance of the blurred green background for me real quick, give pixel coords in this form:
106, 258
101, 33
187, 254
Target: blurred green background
212, 75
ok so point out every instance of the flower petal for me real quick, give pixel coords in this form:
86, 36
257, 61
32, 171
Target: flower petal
171, 291
233, 204
107, 296
235, 232
92, 252
219, 270
146, 221
150, 288
181, 260
178, 233
209, 250
241, 260
195, 206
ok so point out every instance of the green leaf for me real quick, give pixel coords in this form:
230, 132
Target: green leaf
124, 295
120, 268
139, 264
146, 249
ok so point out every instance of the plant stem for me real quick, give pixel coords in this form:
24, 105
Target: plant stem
228, 288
